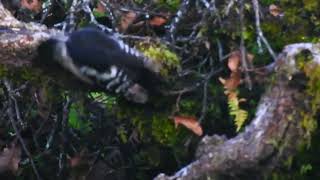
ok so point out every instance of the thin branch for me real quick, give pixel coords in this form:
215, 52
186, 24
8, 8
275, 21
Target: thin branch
13, 123
260, 37
228, 7
244, 61
176, 20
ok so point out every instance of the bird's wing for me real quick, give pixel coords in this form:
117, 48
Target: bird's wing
105, 50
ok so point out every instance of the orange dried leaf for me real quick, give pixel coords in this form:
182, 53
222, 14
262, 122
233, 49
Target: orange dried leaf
233, 82
275, 10
190, 123
157, 21
234, 61
10, 159
32, 5
232, 95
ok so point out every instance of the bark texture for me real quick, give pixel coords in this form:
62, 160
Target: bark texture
274, 135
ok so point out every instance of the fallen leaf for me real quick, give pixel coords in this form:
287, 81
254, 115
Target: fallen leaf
32, 5
157, 21
126, 20
190, 123
275, 10
232, 95
234, 61
232, 82
10, 159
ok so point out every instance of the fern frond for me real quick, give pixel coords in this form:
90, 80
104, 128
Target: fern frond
239, 114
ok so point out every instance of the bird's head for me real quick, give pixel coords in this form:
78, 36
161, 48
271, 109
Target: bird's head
48, 49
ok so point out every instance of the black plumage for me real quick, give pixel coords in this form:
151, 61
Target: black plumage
103, 61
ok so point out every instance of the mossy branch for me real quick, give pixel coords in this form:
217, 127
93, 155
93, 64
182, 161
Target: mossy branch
19, 40
273, 136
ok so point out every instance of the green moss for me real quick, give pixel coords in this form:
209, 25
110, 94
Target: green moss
311, 5
163, 130
309, 121
75, 121
172, 4
162, 55
123, 134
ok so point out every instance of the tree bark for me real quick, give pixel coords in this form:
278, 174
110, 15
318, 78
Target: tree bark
19, 40
273, 135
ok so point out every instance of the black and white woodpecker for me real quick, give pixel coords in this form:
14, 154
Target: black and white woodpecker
102, 61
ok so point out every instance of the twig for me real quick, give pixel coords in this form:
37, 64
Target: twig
220, 50
179, 15
71, 17
53, 132
244, 62
63, 133
260, 37
108, 7
11, 117
229, 6
205, 92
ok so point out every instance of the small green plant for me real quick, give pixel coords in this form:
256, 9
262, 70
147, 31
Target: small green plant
76, 122
239, 114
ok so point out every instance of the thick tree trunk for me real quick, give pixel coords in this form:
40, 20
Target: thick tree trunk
274, 135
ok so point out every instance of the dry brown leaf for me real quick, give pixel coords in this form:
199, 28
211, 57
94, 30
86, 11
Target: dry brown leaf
232, 82
158, 21
10, 159
126, 20
234, 61
275, 10
232, 95
32, 5
190, 123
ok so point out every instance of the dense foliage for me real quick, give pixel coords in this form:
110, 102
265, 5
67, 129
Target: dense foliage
75, 133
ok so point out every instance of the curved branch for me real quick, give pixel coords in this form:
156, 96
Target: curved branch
272, 136
18, 40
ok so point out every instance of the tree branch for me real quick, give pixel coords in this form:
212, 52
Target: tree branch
273, 136
18, 40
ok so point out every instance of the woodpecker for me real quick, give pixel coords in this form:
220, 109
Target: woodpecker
103, 61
